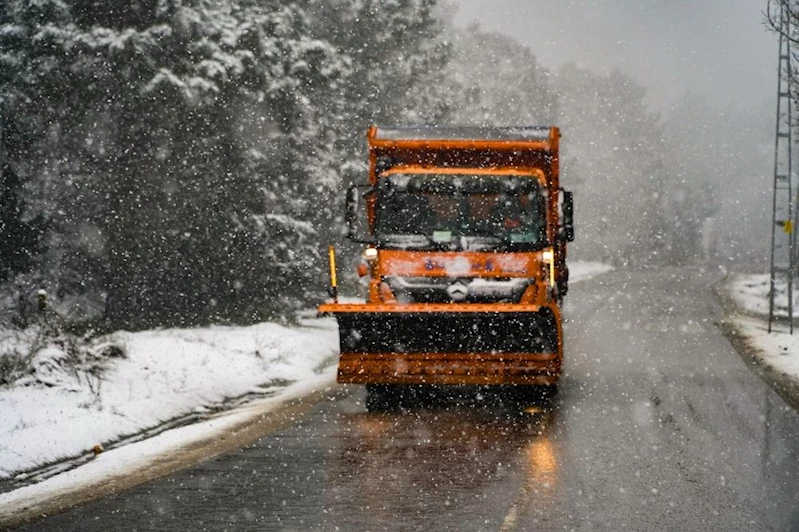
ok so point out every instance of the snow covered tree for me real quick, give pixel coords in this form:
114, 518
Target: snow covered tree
187, 152
21, 238
396, 51
615, 148
148, 103
727, 197
696, 163
645, 185
498, 80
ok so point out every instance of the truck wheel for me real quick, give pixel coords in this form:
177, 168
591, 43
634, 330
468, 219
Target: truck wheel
549, 392
537, 395
382, 397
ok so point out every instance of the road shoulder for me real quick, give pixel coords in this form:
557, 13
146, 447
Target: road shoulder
121, 469
772, 356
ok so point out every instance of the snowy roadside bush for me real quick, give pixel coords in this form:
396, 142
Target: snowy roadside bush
15, 354
44, 355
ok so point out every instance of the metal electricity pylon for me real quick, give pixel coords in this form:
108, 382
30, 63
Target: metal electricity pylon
783, 228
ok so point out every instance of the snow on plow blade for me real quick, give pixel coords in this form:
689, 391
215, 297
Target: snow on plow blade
453, 344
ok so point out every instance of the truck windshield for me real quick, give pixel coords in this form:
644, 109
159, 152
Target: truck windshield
460, 211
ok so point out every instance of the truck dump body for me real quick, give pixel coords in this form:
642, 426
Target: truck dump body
466, 261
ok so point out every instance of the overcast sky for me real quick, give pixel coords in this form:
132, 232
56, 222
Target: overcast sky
716, 47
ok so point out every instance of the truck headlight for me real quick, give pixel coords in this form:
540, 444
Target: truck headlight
369, 254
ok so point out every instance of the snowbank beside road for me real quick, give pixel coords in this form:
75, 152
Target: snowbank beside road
580, 271
165, 375
778, 351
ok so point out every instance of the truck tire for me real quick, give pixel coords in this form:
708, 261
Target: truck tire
542, 395
382, 397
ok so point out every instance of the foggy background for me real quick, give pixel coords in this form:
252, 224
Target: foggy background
719, 48
717, 52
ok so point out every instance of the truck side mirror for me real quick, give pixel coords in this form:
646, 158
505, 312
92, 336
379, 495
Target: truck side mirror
355, 215
568, 216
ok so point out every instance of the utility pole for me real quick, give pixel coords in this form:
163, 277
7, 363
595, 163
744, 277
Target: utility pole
783, 228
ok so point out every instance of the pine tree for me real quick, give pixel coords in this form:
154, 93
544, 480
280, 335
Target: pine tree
21, 239
397, 52
188, 153
175, 130
499, 81
615, 145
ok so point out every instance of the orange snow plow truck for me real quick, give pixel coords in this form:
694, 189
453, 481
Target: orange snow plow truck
465, 232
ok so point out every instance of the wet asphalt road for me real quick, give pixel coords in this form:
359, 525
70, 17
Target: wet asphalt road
659, 425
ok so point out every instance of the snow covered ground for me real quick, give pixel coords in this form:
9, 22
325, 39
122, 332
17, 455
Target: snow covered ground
777, 351
156, 397
580, 271
62, 412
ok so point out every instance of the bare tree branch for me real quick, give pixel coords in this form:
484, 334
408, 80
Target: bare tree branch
773, 15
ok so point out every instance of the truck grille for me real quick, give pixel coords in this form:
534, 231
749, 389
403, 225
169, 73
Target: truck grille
446, 289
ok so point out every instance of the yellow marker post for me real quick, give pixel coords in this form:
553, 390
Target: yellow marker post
333, 281
787, 227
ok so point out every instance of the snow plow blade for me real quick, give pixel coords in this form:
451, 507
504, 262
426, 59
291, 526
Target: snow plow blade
448, 343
